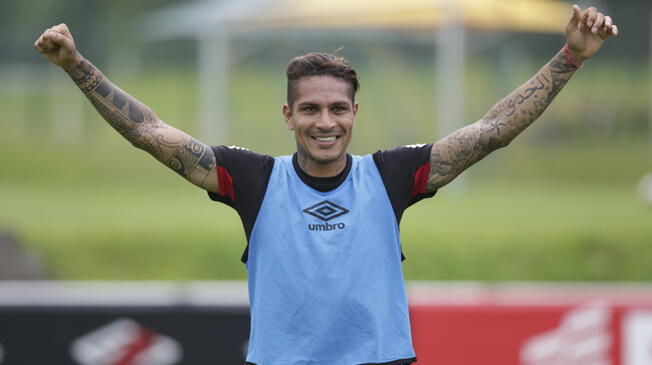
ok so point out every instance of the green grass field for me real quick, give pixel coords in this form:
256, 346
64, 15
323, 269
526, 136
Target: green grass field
110, 215
542, 209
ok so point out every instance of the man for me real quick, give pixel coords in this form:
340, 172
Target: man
323, 254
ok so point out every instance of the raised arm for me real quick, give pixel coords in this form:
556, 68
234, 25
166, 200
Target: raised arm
132, 119
585, 34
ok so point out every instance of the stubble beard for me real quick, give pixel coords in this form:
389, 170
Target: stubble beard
304, 158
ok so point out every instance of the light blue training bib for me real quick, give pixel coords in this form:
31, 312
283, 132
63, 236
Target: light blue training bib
325, 280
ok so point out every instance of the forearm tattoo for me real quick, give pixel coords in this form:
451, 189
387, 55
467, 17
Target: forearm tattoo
139, 125
87, 78
453, 154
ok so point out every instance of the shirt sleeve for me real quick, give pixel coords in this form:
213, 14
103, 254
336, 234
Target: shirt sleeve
242, 177
404, 171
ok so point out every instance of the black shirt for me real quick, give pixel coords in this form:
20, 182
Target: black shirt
243, 176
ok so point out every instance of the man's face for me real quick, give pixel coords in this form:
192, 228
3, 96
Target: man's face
322, 118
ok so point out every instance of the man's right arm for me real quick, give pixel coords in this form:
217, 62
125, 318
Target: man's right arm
136, 122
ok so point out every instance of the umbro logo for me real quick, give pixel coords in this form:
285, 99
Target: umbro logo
326, 210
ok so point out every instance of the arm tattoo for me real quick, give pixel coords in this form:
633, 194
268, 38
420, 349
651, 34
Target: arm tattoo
85, 76
456, 152
139, 125
189, 155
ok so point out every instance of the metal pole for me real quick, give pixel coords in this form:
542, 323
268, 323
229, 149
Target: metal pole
450, 58
649, 130
213, 85
67, 109
451, 62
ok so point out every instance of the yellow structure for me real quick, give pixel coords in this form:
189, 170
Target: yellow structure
540, 16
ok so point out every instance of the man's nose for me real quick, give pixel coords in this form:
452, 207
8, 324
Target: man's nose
326, 121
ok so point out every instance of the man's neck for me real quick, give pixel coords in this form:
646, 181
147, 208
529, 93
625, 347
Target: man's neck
316, 169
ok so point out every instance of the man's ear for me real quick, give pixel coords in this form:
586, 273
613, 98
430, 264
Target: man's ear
355, 111
287, 114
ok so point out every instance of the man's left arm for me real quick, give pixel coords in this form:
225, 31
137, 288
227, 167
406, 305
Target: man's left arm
586, 32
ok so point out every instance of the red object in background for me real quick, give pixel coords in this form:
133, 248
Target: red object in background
532, 325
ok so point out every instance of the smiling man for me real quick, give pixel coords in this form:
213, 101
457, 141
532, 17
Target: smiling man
321, 111
323, 254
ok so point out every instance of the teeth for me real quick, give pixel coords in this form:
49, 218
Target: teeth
325, 139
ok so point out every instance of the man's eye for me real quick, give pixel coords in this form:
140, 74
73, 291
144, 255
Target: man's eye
339, 109
310, 109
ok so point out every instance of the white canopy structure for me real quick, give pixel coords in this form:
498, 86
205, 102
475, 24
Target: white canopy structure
212, 23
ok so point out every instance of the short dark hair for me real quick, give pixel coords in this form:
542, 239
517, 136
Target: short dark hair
319, 64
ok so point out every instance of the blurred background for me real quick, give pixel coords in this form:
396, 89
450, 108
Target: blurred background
560, 203
570, 200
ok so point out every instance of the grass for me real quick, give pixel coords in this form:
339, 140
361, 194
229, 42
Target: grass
545, 208
98, 217
530, 232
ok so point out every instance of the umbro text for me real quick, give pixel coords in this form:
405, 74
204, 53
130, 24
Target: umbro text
326, 226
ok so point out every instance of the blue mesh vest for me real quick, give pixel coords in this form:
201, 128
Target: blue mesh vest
325, 279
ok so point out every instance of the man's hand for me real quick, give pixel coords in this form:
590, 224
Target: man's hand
57, 45
586, 32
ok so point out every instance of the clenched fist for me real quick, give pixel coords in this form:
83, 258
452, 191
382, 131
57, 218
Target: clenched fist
587, 31
57, 45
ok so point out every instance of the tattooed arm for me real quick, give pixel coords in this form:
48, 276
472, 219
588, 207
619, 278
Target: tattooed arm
456, 152
450, 156
133, 120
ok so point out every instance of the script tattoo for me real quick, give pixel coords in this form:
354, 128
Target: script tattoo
139, 125
85, 76
456, 152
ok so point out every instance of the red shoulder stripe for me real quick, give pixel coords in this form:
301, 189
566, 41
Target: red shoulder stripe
420, 180
225, 182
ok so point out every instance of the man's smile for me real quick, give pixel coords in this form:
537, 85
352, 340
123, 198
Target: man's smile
325, 140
